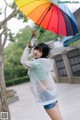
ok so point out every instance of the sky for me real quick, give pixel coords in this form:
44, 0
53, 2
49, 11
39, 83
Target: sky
15, 25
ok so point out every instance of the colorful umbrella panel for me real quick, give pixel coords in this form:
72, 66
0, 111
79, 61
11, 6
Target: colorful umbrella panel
48, 15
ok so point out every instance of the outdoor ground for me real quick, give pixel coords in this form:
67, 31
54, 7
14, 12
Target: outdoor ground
26, 108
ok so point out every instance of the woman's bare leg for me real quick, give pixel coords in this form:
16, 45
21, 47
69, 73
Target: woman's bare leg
55, 113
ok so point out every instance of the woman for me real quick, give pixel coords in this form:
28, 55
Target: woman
42, 83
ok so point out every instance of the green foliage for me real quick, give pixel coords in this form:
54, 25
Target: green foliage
24, 34
12, 54
76, 43
45, 35
48, 36
11, 5
12, 66
17, 81
11, 37
20, 15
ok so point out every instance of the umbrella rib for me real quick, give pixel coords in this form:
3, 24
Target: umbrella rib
50, 18
58, 19
45, 15
42, 19
35, 9
69, 23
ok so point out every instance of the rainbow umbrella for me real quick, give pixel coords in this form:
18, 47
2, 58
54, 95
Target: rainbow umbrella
48, 15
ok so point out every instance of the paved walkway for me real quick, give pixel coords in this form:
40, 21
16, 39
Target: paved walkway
26, 108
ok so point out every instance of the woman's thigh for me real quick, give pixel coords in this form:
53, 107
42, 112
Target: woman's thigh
55, 113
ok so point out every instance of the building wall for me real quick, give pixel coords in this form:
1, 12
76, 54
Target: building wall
67, 66
77, 17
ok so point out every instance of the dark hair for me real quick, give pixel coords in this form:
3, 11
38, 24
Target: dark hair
43, 48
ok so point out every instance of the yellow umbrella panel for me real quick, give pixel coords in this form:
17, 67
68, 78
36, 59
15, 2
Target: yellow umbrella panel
33, 8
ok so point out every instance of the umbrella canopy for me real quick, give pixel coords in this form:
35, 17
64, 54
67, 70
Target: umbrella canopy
48, 15
64, 8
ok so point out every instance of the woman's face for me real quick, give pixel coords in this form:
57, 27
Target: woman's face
37, 53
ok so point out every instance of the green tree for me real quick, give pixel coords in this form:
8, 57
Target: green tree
23, 36
4, 32
12, 67
44, 35
12, 54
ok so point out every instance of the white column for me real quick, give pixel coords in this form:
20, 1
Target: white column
67, 66
55, 70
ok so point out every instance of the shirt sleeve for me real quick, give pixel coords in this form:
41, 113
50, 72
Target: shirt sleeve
25, 60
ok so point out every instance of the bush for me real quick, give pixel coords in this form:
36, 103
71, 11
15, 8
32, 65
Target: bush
17, 81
